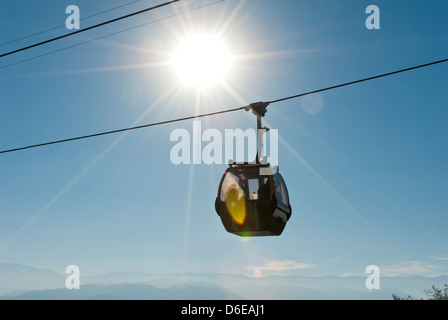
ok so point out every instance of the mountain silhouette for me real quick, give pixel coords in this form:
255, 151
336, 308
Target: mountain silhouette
128, 291
29, 283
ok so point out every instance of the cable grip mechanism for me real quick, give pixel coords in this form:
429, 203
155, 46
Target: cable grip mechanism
258, 108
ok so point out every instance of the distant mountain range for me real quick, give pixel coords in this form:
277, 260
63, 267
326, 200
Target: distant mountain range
19, 282
127, 291
16, 278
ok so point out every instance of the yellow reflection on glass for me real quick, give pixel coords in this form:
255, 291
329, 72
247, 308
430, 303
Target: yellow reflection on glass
235, 204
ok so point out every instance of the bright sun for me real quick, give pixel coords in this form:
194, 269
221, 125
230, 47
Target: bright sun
201, 60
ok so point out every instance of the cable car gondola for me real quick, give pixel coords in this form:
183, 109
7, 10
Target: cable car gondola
252, 198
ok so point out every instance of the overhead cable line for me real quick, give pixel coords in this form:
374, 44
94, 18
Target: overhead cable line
122, 130
88, 28
360, 80
248, 107
63, 25
110, 34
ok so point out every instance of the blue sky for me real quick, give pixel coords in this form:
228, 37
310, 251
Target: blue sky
365, 165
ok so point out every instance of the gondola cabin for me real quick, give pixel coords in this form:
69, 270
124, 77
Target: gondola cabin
251, 202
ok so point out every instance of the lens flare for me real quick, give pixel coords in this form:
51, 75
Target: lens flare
236, 204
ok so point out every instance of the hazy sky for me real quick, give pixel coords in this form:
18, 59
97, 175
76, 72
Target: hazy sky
365, 165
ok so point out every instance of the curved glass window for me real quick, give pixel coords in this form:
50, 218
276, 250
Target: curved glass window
232, 187
281, 192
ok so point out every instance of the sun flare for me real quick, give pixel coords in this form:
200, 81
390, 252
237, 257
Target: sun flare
201, 60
